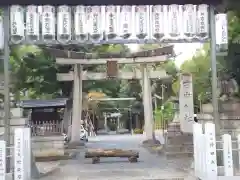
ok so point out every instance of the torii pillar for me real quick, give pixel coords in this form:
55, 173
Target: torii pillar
77, 103
147, 102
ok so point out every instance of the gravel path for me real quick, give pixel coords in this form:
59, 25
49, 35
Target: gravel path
150, 166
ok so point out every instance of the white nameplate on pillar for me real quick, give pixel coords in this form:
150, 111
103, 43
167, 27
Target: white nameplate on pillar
211, 153
186, 106
2, 160
27, 153
238, 142
227, 155
19, 154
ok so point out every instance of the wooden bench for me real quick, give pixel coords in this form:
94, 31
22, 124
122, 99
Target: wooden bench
95, 154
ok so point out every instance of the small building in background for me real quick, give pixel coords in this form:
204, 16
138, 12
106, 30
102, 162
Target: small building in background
45, 117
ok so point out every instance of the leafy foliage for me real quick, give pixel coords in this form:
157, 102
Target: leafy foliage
33, 70
34, 76
165, 115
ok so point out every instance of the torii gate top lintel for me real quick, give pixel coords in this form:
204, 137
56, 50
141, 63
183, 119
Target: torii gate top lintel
72, 57
67, 54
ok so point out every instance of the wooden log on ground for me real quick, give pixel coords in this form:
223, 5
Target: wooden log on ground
111, 153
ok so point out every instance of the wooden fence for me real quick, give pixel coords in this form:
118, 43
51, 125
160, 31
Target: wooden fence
205, 154
47, 128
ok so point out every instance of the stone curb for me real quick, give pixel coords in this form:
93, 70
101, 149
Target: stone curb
50, 171
55, 158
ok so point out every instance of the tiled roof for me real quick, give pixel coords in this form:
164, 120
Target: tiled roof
38, 103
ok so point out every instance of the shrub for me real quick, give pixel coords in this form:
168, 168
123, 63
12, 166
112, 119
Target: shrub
138, 131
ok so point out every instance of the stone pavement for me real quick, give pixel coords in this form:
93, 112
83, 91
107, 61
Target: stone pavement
150, 166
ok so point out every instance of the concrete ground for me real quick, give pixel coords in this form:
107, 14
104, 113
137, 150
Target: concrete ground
150, 166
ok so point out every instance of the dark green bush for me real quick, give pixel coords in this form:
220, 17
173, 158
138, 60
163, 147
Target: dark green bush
138, 131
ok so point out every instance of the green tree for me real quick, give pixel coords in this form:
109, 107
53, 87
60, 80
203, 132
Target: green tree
34, 71
200, 69
233, 59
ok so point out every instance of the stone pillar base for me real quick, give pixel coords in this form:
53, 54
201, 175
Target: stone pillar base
151, 142
75, 145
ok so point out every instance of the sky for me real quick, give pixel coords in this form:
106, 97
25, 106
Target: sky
185, 51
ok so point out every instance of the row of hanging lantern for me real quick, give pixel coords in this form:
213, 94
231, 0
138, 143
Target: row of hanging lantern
95, 23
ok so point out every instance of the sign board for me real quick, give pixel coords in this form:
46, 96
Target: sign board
186, 106
19, 154
2, 160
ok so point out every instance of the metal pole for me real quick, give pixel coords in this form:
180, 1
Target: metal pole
162, 86
155, 104
214, 69
7, 117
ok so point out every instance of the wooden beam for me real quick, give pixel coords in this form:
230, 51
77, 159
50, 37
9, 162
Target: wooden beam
138, 60
121, 75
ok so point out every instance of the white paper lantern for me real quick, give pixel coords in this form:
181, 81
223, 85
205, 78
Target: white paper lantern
80, 24
165, 21
125, 23
17, 24
221, 32
221, 29
1, 34
141, 22
64, 30
111, 15
48, 23
202, 22
189, 21
157, 20
174, 21
95, 20
32, 23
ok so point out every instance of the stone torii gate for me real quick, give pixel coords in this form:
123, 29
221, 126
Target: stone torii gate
78, 75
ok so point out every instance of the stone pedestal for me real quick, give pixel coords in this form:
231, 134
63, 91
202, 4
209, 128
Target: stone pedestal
177, 143
229, 113
48, 145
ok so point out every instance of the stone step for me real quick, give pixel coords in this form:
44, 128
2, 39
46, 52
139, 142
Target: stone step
178, 148
179, 140
178, 154
181, 144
